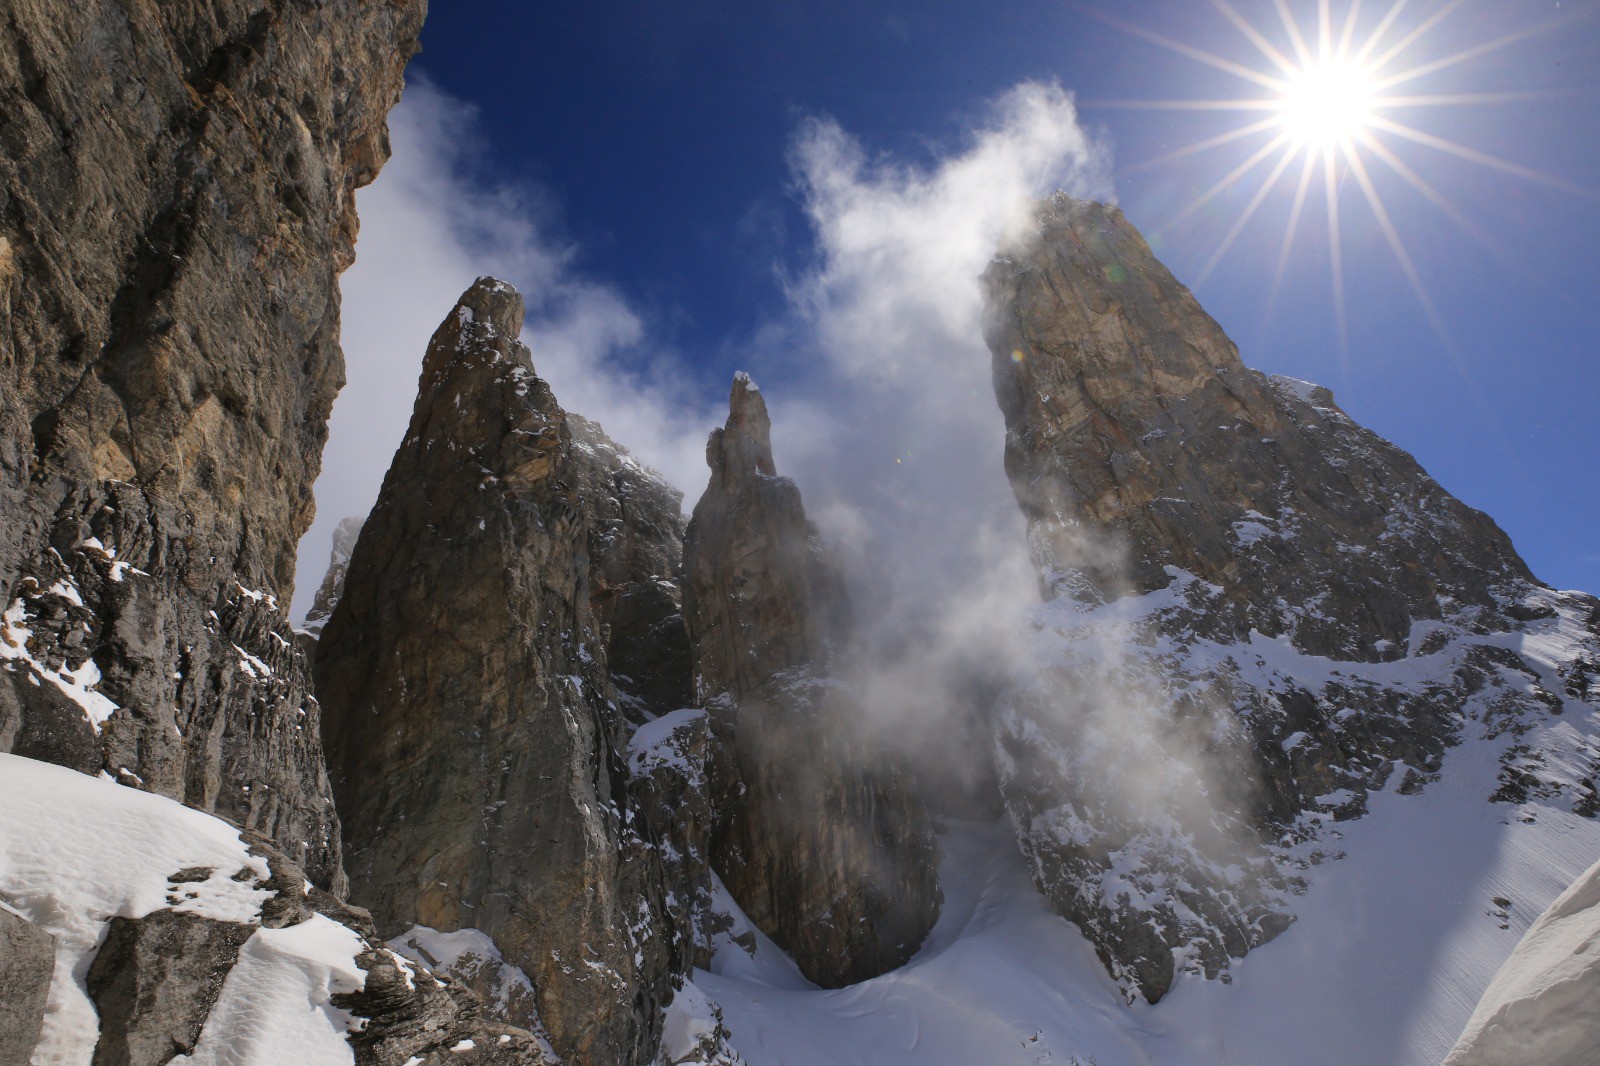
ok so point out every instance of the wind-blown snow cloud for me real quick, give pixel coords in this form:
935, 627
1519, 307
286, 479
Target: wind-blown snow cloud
895, 437
431, 224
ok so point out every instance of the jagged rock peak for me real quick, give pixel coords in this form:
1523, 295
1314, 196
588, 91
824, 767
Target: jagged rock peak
744, 444
758, 591
474, 734
1130, 414
345, 535
1214, 541
797, 771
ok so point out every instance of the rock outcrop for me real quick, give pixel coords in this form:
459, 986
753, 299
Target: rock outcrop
176, 201
473, 731
332, 587
821, 837
154, 982
1261, 611
27, 959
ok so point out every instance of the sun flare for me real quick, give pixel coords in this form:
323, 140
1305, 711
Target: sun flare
1328, 103
1328, 100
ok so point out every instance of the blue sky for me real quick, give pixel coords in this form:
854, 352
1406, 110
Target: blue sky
653, 149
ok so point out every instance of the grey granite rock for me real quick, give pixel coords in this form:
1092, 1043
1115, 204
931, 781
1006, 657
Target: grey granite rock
27, 963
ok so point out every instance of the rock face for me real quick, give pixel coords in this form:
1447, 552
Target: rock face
472, 728
1261, 611
670, 763
27, 959
176, 202
821, 837
332, 587
154, 982
635, 522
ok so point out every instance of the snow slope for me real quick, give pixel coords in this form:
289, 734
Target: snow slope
1544, 1004
76, 851
1393, 944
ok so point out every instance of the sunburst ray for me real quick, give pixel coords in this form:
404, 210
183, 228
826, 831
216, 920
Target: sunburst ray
1255, 37
1245, 216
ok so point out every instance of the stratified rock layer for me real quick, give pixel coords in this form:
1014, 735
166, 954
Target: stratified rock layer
471, 724
821, 839
1262, 610
176, 202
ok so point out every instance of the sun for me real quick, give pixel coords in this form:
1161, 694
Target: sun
1329, 97
1328, 103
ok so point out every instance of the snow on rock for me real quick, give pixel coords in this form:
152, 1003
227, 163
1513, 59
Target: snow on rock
275, 1004
76, 851
471, 957
1544, 1004
693, 1032
662, 743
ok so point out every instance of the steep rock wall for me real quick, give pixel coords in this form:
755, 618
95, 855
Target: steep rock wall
473, 732
176, 202
1261, 613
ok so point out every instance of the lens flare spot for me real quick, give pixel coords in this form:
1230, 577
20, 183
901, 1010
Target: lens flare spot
1016, 355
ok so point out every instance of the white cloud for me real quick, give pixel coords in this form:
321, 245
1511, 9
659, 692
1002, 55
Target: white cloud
894, 435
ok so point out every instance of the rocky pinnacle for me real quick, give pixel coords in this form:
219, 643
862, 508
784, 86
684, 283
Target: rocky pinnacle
821, 836
1262, 613
472, 728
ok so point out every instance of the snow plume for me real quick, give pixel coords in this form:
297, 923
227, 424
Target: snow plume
432, 223
897, 442
893, 433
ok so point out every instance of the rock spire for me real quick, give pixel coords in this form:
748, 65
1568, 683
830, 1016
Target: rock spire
821, 836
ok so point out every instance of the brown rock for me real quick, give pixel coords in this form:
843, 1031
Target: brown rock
822, 839
1150, 765
176, 200
471, 724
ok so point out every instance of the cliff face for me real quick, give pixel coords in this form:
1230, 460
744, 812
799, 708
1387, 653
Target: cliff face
1262, 612
821, 838
176, 202
471, 723
635, 550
